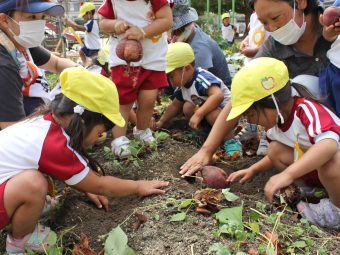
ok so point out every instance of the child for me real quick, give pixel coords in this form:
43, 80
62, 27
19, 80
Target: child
261, 91
53, 142
200, 94
92, 42
228, 30
330, 76
100, 64
138, 81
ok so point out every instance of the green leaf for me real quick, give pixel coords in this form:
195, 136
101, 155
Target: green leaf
241, 253
299, 244
230, 214
156, 217
178, 217
270, 250
55, 251
186, 203
129, 251
229, 196
282, 200
254, 216
260, 206
219, 249
161, 136
52, 238
255, 227
116, 242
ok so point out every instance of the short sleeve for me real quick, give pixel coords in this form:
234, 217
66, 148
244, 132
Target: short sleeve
60, 160
106, 10
204, 80
40, 55
11, 107
89, 26
157, 4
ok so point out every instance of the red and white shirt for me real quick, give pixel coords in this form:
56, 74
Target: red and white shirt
312, 122
40, 144
140, 14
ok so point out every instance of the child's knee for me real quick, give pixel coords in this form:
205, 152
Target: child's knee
34, 182
330, 170
188, 109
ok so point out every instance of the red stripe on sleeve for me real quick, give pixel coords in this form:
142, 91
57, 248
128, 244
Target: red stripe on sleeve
106, 10
157, 4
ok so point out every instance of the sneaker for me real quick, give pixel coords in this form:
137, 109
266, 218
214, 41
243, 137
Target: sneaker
40, 240
144, 135
262, 150
120, 147
233, 149
247, 133
324, 214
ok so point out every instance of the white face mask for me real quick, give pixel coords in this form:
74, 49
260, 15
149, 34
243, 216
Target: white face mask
31, 33
291, 32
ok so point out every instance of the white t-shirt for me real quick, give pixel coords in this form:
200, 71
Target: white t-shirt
40, 144
334, 53
312, 122
228, 32
92, 36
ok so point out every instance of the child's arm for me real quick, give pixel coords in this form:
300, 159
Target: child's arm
215, 98
245, 174
317, 156
112, 25
74, 25
161, 24
114, 187
171, 111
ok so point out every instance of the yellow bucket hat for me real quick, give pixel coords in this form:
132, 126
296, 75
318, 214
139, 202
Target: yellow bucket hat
225, 15
179, 54
86, 7
92, 91
258, 79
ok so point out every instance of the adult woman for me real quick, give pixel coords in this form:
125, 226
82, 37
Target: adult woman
296, 39
22, 27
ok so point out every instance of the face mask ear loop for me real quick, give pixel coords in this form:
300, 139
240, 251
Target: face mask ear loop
277, 109
182, 75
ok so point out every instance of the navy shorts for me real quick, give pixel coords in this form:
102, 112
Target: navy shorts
329, 83
31, 104
88, 52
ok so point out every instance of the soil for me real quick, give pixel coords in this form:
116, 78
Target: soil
157, 235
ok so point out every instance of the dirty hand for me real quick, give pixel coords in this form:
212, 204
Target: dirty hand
195, 121
146, 188
100, 201
243, 175
134, 33
120, 26
276, 183
195, 163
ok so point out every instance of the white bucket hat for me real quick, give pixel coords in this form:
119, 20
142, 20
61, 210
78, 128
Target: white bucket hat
310, 82
183, 14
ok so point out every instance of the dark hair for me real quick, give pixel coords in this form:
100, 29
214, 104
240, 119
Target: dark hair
312, 5
80, 125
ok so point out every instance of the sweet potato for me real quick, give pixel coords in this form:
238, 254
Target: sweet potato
214, 177
129, 50
331, 15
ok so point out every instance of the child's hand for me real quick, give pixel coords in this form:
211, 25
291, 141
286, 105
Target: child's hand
100, 201
146, 188
120, 26
276, 183
244, 174
159, 124
195, 120
134, 33
330, 32
244, 45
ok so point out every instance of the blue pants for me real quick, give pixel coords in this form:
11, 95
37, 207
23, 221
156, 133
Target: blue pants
330, 86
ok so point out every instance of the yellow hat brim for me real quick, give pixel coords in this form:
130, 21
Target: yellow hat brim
117, 119
169, 69
238, 110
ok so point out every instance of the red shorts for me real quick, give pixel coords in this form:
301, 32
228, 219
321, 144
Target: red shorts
4, 219
129, 80
312, 179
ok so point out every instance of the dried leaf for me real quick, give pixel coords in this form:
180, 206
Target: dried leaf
83, 247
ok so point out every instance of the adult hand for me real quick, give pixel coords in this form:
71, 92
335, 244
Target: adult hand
243, 175
99, 201
195, 163
276, 183
121, 26
195, 120
146, 188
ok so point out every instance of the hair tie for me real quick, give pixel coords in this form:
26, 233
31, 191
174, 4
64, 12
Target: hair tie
78, 109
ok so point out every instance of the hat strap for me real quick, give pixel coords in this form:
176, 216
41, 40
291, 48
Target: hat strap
79, 109
277, 109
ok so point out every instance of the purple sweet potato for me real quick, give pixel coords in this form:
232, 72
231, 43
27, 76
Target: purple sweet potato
214, 177
129, 50
331, 15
